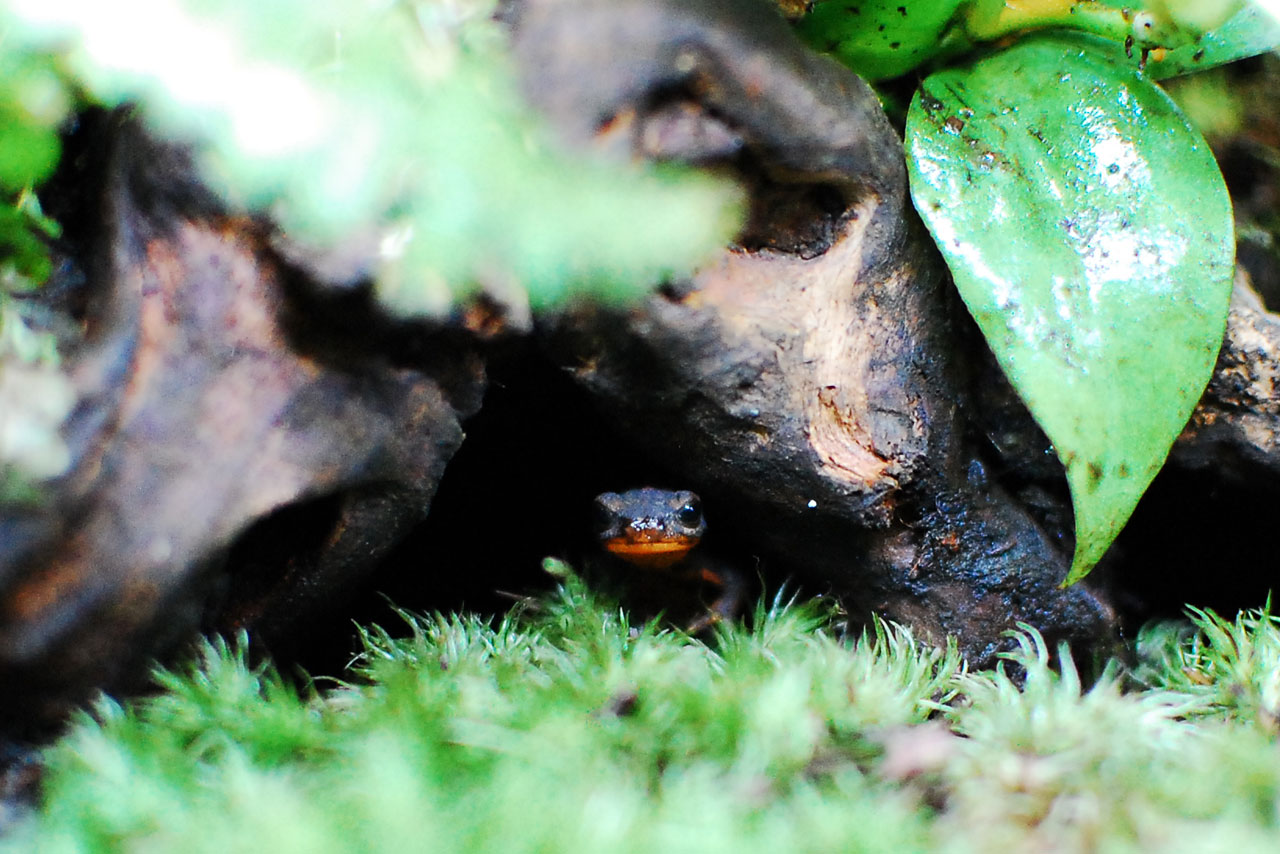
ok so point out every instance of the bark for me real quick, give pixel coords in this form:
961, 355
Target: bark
209, 398
1236, 428
816, 376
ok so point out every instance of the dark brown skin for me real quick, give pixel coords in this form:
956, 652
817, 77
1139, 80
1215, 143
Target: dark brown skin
655, 531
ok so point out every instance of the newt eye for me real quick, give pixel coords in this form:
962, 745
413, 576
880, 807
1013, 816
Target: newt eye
690, 515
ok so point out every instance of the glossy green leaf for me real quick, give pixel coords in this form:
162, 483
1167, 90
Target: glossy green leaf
879, 39
1089, 232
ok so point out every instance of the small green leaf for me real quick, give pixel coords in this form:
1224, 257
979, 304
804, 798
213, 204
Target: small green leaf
1089, 232
1248, 32
879, 39
28, 153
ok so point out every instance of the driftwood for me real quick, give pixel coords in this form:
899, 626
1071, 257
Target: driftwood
209, 400
1236, 428
814, 378
821, 379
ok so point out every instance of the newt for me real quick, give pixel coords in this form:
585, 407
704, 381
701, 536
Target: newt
657, 531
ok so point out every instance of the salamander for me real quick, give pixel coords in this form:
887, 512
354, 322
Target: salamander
651, 536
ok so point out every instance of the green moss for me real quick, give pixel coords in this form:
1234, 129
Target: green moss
566, 729
1049, 765
34, 394
1230, 667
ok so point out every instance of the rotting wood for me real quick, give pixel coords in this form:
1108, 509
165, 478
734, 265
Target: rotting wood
816, 386
1236, 427
204, 408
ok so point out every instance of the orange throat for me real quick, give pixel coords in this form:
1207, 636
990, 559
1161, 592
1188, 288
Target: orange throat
654, 555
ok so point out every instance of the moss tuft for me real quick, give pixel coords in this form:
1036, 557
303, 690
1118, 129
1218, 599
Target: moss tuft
564, 728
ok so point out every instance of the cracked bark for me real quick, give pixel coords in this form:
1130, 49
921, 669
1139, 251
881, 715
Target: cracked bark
815, 376
204, 406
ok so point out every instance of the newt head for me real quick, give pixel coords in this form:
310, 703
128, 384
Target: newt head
652, 528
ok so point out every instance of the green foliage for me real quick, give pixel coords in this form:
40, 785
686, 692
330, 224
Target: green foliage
33, 101
1048, 765
395, 124
1250, 31
34, 395
1083, 217
877, 40
563, 728
1089, 232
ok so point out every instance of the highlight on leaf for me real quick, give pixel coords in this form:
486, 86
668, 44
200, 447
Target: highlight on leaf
1089, 232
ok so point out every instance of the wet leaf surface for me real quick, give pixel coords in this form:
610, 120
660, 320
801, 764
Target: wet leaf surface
1089, 232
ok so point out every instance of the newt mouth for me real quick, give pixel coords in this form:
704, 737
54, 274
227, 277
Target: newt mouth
658, 554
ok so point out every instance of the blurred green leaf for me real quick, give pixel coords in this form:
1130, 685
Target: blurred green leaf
28, 153
34, 394
1089, 232
395, 120
1212, 101
34, 399
33, 100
